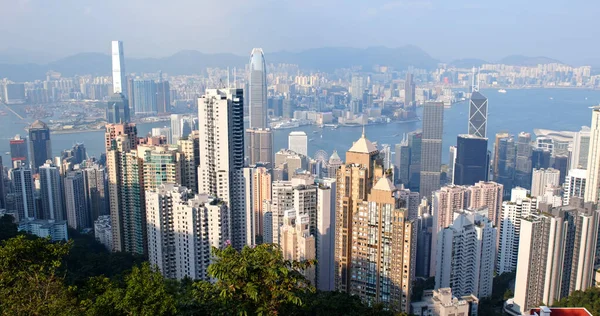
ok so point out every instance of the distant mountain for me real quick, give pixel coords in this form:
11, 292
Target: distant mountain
520, 60
468, 63
191, 61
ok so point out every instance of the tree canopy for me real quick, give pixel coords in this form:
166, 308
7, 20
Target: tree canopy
590, 299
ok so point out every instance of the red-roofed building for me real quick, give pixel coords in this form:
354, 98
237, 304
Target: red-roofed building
559, 311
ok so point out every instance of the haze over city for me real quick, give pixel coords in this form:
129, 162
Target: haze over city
447, 30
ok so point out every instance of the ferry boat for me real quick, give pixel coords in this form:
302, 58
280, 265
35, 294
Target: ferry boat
502, 91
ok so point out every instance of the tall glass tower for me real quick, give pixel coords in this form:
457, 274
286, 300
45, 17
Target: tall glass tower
258, 89
118, 68
478, 108
39, 144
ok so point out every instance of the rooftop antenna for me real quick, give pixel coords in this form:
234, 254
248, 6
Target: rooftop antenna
473, 80
228, 84
235, 77
363, 132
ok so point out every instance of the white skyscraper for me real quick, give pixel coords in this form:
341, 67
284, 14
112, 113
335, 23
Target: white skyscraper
258, 89
221, 143
281, 201
118, 68
574, 184
176, 124
182, 228
51, 191
298, 142
592, 183
519, 207
326, 235
466, 251
23, 183
543, 178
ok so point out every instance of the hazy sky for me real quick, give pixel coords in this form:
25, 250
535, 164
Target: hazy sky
446, 29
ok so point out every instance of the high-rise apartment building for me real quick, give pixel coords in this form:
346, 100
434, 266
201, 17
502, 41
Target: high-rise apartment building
78, 212
574, 185
281, 201
40, 146
182, 228
221, 143
592, 185
51, 192
96, 187
260, 146
431, 148
23, 188
257, 181
366, 201
542, 178
325, 238
298, 142
161, 165
489, 195
163, 96
119, 76
466, 252
257, 92
520, 206
189, 148
581, 149
471, 164
451, 164
297, 243
523, 161
556, 253
103, 231
18, 151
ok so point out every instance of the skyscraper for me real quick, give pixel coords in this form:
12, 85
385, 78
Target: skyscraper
117, 110
118, 68
18, 151
581, 149
144, 94
415, 143
51, 191
221, 143
592, 185
96, 186
542, 178
431, 148
298, 142
325, 234
257, 181
297, 242
260, 146
574, 185
478, 106
523, 164
504, 161
23, 184
163, 96
40, 146
190, 159
471, 164
466, 252
258, 89
78, 214
402, 162
409, 90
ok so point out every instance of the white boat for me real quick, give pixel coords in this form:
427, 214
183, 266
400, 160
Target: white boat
502, 91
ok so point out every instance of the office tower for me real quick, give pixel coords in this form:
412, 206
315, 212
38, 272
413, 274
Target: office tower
504, 162
257, 92
103, 231
443, 302
574, 185
424, 226
364, 194
189, 147
520, 206
451, 164
415, 142
431, 148
118, 68
117, 109
465, 255
221, 143
96, 190
182, 228
45, 228
325, 238
51, 192
78, 214
297, 243
540, 158
144, 94
581, 149
357, 85
333, 164
478, 110
126, 189
498, 153
163, 96
556, 253
281, 201
298, 142
409, 90
23, 187
593, 167
260, 146
161, 165
542, 178
402, 162
523, 162
257, 181
18, 151
79, 153
40, 146
471, 160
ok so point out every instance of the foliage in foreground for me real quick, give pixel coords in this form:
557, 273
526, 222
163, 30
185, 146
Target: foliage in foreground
590, 299
38, 277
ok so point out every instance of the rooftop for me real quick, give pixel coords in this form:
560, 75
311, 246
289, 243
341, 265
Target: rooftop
560, 311
384, 184
363, 145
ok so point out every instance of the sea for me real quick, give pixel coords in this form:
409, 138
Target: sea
515, 111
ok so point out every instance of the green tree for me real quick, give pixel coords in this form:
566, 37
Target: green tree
254, 281
30, 278
590, 299
145, 293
